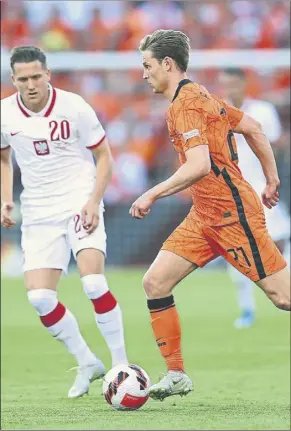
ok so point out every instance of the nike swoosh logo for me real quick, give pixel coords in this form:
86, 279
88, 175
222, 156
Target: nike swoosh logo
13, 134
57, 334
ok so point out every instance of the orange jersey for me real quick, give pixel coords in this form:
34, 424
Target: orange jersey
197, 117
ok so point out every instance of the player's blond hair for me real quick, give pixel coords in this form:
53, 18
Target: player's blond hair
168, 43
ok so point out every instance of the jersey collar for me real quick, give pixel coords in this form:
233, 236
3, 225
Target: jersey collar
45, 112
181, 84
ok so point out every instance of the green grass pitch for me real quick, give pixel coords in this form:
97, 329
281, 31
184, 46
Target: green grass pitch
241, 377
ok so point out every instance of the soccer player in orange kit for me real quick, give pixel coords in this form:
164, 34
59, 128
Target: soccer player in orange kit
227, 217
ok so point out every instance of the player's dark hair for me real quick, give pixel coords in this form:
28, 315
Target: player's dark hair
235, 71
27, 54
168, 43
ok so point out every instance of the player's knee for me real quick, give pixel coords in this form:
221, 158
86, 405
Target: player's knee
152, 287
283, 302
43, 300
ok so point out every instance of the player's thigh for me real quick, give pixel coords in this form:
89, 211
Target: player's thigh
247, 246
45, 255
189, 242
89, 250
42, 278
277, 288
90, 261
185, 250
166, 271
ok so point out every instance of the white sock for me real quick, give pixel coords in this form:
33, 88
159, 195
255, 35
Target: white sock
64, 325
108, 315
246, 295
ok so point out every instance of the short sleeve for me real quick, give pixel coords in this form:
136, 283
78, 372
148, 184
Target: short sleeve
4, 142
191, 125
90, 129
234, 115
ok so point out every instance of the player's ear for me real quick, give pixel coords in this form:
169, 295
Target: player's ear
48, 74
13, 79
167, 61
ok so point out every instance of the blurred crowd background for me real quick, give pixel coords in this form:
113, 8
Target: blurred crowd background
134, 119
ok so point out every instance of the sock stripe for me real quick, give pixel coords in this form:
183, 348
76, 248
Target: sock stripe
104, 303
162, 309
54, 316
157, 304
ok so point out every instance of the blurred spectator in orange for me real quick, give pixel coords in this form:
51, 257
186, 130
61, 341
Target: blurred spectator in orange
14, 27
99, 35
275, 30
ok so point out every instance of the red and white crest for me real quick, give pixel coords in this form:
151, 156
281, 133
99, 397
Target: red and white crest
41, 147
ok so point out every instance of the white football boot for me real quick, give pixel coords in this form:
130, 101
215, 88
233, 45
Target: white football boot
173, 383
86, 375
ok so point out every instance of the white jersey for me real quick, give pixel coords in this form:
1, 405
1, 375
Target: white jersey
52, 149
277, 218
250, 166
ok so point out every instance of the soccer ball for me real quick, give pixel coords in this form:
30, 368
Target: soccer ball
125, 387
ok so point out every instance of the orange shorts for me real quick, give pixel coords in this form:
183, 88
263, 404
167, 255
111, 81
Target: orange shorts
245, 244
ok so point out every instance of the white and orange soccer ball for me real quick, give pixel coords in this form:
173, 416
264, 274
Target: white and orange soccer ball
126, 387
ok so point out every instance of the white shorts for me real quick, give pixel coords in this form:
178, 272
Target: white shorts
278, 222
277, 218
50, 245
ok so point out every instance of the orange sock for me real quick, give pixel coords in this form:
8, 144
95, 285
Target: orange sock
167, 330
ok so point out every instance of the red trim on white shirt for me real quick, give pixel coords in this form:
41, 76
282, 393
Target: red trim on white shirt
48, 111
20, 107
96, 145
52, 104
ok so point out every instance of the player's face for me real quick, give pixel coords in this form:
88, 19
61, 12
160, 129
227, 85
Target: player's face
233, 86
154, 72
31, 80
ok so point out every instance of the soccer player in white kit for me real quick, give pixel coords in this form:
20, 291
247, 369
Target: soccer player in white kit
233, 81
54, 135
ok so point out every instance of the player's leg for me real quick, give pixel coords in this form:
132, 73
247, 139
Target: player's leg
167, 270
245, 292
278, 223
276, 284
45, 257
277, 287
245, 296
89, 252
248, 246
181, 254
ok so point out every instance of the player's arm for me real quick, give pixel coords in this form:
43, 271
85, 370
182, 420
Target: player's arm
93, 138
90, 211
196, 167
104, 167
259, 143
7, 204
191, 125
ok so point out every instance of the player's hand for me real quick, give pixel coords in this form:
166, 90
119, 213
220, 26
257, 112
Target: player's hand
90, 216
6, 218
270, 195
142, 206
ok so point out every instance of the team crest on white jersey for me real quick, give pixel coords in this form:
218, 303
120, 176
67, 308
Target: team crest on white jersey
41, 147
